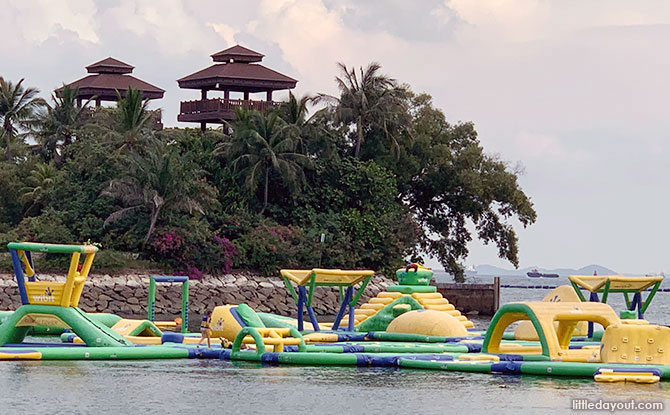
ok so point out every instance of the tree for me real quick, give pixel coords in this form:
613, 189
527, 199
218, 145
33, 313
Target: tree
449, 181
57, 126
161, 180
132, 120
295, 111
17, 107
42, 177
354, 203
263, 144
317, 138
367, 100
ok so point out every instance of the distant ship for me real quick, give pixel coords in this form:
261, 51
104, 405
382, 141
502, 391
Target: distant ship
537, 274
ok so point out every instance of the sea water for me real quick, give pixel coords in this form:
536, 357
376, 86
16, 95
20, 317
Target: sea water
224, 387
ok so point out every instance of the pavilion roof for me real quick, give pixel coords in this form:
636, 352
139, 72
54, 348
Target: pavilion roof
237, 77
238, 54
110, 65
109, 76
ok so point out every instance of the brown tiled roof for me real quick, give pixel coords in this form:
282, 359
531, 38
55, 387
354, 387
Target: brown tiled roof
109, 65
252, 72
238, 53
114, 81
106, 85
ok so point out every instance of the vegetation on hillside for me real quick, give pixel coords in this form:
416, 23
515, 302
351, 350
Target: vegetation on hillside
378, 170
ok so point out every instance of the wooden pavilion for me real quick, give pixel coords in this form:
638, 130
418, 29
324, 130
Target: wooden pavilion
107, 77
237, 70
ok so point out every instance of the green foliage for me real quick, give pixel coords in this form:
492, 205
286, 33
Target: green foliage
133, 118
17, 108
368, 101
10, 183
448, 182
49, 226
42, 178
110, 259
192, 247
354, 204
57, 126
264, 145
378, 171
161, 180
269, 247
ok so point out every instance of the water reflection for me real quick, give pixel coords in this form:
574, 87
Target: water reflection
233, 387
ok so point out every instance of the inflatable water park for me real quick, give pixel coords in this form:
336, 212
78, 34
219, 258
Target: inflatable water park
572, 332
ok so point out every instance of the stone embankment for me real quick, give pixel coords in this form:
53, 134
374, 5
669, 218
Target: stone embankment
126, 295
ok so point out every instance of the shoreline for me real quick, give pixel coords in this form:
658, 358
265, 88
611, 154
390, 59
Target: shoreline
126, 294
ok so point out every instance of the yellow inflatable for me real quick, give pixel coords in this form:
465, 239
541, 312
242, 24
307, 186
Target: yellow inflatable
564, 294
429, 323
554, 339
636, 343
225, 322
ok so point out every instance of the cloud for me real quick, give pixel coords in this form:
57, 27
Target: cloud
575, 91
37, 20
538, 145
169, 23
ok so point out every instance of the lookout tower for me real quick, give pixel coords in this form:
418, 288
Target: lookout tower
236, 70
107, 77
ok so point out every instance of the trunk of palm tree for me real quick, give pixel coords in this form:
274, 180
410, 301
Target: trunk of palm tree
359, 131
265, 191
152, 225
7, 128
58, 160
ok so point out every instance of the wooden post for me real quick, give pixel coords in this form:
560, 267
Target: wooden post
97, 102
269, 97
496, 294
226, 97
203, 126
246, 95
203, 95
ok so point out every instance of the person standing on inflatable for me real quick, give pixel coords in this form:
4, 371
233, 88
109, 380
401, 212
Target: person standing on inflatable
205, 330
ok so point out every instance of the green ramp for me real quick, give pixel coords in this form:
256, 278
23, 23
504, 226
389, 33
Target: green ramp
147, 329
92, 332
382, 318
107, 319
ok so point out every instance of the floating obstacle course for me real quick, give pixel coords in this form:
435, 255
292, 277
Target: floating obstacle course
54, 304
409, 325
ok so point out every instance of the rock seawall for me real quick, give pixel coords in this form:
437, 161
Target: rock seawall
126, 295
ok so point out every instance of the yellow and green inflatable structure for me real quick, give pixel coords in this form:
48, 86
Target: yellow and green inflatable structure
408, 325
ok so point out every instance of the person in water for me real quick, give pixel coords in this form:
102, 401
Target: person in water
205, 330
227, 344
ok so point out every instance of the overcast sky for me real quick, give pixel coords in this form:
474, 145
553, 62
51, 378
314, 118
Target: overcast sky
574, 90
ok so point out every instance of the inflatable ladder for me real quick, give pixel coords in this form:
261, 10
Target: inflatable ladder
429, 301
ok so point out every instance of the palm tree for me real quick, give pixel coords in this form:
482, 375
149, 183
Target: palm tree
41, 178
17, 107
132, 119
57, 126
160, 180
317, 141
367, 99
294, 111
263, 144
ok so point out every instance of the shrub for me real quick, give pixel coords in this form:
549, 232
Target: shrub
269, 247
193, 250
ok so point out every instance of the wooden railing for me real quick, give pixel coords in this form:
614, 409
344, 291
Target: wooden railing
221, 105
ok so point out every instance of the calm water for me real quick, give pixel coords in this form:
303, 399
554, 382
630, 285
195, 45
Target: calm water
221, 387
180, 386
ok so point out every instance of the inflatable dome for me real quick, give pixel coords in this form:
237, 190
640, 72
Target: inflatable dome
429, 323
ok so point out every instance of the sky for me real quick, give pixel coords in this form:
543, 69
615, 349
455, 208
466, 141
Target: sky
574, 91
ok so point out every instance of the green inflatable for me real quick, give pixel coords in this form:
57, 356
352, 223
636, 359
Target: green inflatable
93, 333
